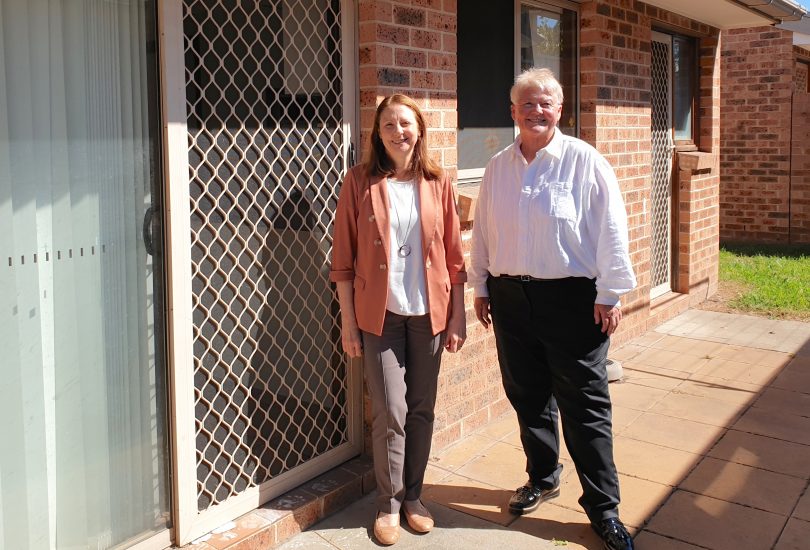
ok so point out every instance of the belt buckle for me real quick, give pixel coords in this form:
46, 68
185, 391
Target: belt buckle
525, 278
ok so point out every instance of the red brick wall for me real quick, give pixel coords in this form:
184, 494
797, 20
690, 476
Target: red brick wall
410, 47
615, 118
709, 115
757, 76
698, 195
800, 170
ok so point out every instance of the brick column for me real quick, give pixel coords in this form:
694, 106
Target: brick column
698, 230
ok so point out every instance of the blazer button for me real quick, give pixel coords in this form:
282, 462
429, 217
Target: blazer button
371, 218
382, 266
427, 264
377, 242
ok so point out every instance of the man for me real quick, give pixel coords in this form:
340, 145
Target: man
549, 262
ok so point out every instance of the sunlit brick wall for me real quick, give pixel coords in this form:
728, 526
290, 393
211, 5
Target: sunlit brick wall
757, 85
800, 170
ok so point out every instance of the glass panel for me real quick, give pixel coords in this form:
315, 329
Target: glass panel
83, 459
485, 74
683, 83
477, 145
548, 38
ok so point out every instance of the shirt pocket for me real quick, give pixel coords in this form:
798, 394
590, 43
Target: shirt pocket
562, 203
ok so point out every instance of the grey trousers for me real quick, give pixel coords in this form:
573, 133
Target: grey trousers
401, 368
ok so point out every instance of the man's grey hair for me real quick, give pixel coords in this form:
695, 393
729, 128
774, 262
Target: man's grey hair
537, 78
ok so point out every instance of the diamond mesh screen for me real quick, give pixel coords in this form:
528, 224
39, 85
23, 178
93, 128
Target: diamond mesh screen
660, 199
264, 106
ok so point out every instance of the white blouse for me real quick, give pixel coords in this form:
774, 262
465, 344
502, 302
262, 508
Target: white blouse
407, 293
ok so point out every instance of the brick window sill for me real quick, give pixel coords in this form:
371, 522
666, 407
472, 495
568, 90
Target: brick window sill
467, 198
696, 161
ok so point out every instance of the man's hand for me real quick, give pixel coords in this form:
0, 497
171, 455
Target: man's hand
481, 306
607, 316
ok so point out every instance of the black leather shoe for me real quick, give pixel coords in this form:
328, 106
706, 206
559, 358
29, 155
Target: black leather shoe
613, 534
527, 498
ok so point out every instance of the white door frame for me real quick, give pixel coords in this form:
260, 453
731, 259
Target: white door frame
188, 522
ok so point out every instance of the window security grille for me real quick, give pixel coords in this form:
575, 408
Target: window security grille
661, 193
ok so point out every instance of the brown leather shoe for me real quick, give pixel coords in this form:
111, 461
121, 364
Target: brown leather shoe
384, 533
417, 516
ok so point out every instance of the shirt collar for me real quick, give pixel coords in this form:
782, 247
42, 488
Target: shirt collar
516, 154
554, 147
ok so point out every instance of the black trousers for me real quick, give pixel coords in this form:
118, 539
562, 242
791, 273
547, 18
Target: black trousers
553, 357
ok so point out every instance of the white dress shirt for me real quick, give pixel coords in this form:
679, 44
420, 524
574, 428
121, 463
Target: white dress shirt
562, 215
407, 293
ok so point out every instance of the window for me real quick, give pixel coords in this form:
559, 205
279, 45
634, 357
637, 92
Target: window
496, 40
485, 73
548, 38
684, 79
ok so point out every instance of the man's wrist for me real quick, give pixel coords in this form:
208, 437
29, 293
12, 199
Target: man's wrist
481, 291
607, 298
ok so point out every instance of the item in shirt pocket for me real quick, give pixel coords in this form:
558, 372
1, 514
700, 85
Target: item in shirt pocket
562, 201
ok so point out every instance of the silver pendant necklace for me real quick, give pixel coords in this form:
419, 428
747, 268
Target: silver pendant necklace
404, 249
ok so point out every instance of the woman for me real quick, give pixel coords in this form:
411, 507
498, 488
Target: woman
399, 269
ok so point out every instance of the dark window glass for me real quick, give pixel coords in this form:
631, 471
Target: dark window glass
486, 70
684, 69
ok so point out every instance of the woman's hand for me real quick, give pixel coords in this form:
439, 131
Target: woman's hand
457, 325
351, 339
349, 332
456, 332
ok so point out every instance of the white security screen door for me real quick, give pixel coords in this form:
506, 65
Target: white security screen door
266, 146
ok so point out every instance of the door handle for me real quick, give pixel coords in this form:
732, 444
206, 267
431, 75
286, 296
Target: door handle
147, 231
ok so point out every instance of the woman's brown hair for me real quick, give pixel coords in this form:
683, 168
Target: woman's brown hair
379, 163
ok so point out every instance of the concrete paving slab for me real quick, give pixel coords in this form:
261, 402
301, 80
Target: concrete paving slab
351, 529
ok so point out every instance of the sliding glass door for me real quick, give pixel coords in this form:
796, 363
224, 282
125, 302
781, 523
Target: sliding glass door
83, 454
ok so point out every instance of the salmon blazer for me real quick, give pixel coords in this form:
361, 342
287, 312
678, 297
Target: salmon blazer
362, 242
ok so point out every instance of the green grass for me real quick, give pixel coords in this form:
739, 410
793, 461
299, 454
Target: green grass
770, 280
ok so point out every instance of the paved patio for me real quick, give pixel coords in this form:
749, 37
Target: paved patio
712, 444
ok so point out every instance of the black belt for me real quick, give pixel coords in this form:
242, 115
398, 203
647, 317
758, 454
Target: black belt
524, 278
